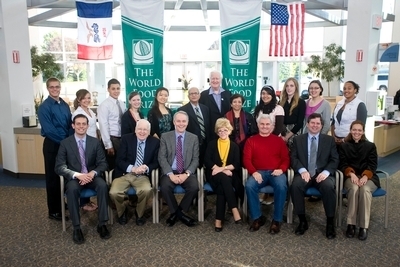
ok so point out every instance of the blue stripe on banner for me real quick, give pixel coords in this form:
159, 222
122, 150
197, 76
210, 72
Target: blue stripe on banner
100, 10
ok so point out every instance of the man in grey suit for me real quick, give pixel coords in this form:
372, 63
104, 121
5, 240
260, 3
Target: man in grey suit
199, 121
178, 158
82, 162
314, 159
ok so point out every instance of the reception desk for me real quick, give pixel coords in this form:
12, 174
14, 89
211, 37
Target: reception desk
29, 146
387, 137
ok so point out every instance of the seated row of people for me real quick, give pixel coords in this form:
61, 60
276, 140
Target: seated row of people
314, 158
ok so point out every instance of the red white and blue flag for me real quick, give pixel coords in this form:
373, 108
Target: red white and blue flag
287, 29
94, 29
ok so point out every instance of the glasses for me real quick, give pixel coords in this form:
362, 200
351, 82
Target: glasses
194, 93
54, 87
223, 131
314, 88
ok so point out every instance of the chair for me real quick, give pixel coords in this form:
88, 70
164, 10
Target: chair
380, 192
131, 192
85, 193
267, 190
313, 191
178, 190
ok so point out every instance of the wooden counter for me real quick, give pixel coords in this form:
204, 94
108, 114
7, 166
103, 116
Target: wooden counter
387, 139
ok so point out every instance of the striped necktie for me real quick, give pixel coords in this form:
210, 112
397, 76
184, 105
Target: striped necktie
82, 156
201, 123
140, 155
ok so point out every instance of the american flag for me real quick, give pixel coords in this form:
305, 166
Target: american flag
287, 29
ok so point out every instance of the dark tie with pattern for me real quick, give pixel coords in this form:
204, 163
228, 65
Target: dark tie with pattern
140, 155
82, 156
201, 123
179, 155
312, 165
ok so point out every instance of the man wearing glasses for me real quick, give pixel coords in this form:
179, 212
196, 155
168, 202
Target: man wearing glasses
55, 120
199, 121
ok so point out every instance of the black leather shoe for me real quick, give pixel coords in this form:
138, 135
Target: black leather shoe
240, 221
189, 221
124, 217
140, 220
363, 234
77, 236
57, 216
257, 223
330, 231
301, 228
275, 227
218, 229
351, 231
103, 231
172, 220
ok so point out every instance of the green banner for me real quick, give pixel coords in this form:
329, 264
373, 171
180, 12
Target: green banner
143, 50
239, 47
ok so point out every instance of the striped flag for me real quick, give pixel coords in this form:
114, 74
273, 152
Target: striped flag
94, 29
287, 29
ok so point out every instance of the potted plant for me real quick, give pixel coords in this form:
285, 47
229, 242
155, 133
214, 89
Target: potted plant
330, 67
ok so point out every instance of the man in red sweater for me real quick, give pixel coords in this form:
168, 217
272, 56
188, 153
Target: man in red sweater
266, 158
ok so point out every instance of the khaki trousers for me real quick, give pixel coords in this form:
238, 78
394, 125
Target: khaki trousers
120, 186
359, 202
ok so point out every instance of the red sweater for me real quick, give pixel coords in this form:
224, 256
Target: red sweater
265, 153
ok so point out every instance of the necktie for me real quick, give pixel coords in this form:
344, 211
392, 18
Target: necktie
140, 155
201, 123
313, 156
179, 155
119, 108
82, 156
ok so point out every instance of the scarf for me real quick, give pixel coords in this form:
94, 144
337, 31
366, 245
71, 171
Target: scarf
230, 115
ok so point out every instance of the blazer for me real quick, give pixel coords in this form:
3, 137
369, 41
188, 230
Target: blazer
128, 123
194, 126
68, 160
126, 154
208, 100
166, 154
327, 155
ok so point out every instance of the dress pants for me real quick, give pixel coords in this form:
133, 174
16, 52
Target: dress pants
50, 150
222, 185
121, 185
279, 183
326, 187
359, 202
191, 187
116, 141
73, 191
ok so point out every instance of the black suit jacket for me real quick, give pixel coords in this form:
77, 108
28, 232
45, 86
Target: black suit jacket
327, 155
126, 154
208, 100
68, 160
194, 126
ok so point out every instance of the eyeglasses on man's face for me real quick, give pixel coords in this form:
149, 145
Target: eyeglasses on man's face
194, 93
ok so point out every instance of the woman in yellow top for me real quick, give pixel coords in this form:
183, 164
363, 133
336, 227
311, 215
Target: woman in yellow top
223, 172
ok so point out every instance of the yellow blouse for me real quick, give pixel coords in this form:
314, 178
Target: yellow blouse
223, 149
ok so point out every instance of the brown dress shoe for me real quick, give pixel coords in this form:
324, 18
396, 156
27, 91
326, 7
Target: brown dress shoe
275, 227
257, 223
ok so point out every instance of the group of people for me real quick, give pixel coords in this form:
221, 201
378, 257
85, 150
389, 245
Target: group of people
211, 131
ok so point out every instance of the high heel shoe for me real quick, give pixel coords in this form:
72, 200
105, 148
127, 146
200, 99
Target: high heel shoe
239, 221
218, 229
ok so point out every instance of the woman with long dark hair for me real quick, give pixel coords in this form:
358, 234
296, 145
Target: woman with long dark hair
159, 116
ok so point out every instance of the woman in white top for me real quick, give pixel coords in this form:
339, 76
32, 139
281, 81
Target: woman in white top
317, 104
269, 105
81, 105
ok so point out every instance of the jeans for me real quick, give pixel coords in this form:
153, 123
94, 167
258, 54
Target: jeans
278, 183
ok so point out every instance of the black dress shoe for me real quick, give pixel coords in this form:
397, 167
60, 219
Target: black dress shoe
140, 220
57, 216
301, 228
240, 221
351, 231
363, 234
257, 223
77, 236
189, 221
275, 227
330, 231
218, 229
103, 231
124, 217
172, 220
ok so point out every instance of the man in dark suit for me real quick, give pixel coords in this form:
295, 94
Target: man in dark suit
314, 159
199, 121
216, 99
178, 158
82, 162
136, 159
